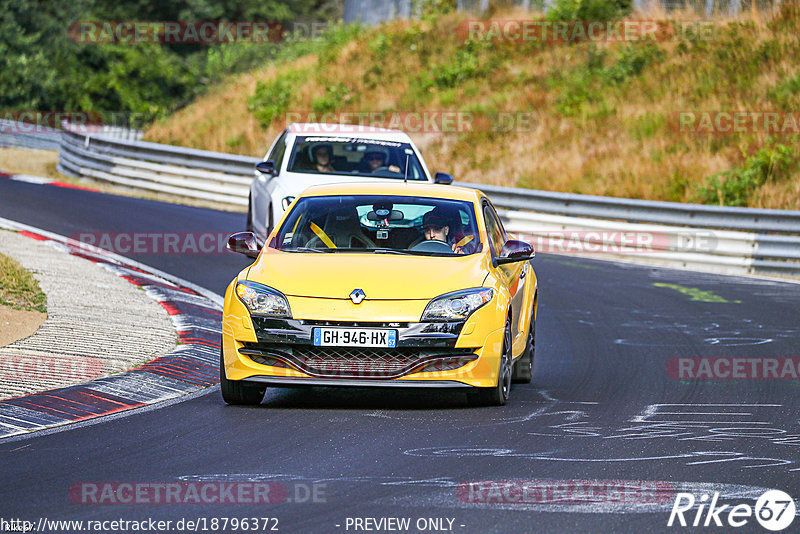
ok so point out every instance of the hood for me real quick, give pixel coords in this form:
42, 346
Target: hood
297, 182
380, 276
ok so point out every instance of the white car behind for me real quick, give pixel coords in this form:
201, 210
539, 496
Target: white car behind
296, 160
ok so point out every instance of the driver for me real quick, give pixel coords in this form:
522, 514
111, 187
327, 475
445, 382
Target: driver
435, 227
376, 159
322, 158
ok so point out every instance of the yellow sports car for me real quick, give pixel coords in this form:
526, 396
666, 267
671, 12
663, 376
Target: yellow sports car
386, 285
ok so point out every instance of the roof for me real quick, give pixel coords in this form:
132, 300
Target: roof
394, 187
317, 129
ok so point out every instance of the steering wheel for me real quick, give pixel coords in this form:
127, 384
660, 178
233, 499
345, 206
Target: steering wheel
432, 245
385, 168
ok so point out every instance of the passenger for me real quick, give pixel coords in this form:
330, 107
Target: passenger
435, 227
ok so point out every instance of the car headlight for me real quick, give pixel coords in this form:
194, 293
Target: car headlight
262, 300
457, 306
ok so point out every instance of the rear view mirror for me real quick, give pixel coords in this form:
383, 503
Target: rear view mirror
514, 251
266, 167
393, 215
244, 243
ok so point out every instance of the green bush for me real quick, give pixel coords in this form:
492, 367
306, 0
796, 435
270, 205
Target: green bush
647, 126
588, 83
331, 42
272, 98
786, 94
44, 70
577, 91
459, 69
433, 8
632, 61
335, 96
380, 46
588, 9
228, 58
735, 187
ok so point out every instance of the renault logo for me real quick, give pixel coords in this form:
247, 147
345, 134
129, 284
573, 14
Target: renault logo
357, 295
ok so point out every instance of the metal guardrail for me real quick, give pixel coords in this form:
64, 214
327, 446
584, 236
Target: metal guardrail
710, 238
721, 239
645, 211
16, 134
186, 172
41, 137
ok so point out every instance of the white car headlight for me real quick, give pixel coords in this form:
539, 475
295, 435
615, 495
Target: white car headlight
262, 300
457, 306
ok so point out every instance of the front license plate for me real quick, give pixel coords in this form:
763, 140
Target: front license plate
355, 337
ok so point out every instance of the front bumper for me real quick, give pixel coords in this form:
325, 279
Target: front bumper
281, 351
334, 382
300, 332
420, 347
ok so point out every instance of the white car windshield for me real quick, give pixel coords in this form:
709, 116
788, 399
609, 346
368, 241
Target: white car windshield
380, 224
355, 156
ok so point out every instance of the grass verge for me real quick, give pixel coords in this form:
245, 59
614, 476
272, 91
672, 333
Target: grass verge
18, 288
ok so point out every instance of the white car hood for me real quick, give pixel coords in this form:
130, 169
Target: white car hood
294, 183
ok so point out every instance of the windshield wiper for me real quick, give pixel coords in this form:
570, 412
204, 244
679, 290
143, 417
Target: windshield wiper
354, 249
392, 251
305, 249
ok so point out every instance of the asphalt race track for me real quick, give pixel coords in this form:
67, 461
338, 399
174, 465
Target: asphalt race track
606, 406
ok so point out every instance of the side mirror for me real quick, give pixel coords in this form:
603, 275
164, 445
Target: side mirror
244, 243
514, 251
443, 178
267, 167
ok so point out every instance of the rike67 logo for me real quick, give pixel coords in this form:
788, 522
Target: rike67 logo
774, 510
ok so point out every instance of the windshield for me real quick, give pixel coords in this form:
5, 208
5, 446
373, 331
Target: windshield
355, 156
380, 224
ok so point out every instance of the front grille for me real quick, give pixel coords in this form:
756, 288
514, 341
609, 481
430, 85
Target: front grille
345, 362
366, 324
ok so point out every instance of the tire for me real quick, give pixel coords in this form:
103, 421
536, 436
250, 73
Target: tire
236, 391
496, 395
523, 369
